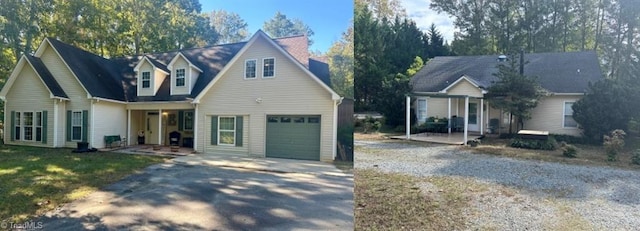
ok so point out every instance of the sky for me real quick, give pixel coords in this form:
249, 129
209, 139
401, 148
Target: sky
327, 18
419, 11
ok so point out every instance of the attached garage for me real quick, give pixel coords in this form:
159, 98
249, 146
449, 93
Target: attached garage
293, 136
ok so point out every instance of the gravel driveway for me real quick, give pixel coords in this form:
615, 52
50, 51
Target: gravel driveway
545, 195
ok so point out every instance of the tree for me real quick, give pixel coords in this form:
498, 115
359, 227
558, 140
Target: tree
341, 60
513, 92
281, 26
384, 8
230, 26
436, 46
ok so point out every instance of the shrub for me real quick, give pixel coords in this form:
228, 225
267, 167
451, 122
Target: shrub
370, 124
570, 151
571, 139
507, 135
613, 144
635, 158
548, 144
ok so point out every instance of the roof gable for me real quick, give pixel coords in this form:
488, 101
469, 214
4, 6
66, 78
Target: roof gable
178, 56
261, 35
154, 63
559, 72
42, 73
459, 81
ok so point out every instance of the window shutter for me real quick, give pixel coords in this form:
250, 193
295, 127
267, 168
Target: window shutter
44, 127
180, 120
214, 130
85, 123
13, 125
238, 131
69, 125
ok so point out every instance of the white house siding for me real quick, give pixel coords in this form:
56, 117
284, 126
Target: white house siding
137, 125
28, 94
153, 84
193, 78
180, 63
465, 88
112, 121
548, 116
70, 85
291, 92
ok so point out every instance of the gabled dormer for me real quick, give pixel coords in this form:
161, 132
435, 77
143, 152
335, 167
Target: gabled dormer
183, 75
150, 74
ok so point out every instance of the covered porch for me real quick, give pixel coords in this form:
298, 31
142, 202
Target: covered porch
157, 124
441, 138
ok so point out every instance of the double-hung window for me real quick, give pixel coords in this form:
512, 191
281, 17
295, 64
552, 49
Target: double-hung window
422, 111
28, 125
250, 69
18, 128
268, 67
76, 126
180, 76
188, 121
146, 79
227, 130
568, 121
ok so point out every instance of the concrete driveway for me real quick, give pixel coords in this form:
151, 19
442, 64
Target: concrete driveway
205, 193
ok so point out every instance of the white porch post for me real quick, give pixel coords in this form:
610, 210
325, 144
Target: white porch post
466, 119
488, 115
160, 127
128, 136
408, 129
481, 116
195, 128
449, 113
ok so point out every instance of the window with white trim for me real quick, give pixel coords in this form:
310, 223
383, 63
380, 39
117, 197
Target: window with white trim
227, 130
180, 77
27, 118
568, 121
188, 121
28, 126
76, 126
146, 79
250, 68
268, 67
422, 111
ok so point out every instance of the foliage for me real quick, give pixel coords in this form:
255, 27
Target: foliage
570, 139
345, 138
415, 66
474, 143
341, 60
281, 26
608, 105
613, 144
437, 46
391, 101
385, 8
568, 150
370, 124
230, 26
538, 144
514, 92
635, 157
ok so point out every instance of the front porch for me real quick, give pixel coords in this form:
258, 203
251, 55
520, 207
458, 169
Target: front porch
440, 138
148, 149
161, 125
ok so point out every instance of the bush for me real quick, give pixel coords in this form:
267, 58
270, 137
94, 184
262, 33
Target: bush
548, 144
507, 135
570, 151
635, 158
369, 124
345, 138
613, 144
571, 139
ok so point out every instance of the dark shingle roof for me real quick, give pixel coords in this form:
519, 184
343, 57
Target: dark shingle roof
561, 72
321, 70
46, 76
115, 78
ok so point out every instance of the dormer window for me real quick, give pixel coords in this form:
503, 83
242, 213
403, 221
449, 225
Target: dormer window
250, 69
146, 79
268, 68
180, 75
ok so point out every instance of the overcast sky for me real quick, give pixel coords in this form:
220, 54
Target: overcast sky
419, 11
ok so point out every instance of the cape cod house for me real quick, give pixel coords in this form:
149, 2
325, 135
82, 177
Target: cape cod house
454, 87
264, 98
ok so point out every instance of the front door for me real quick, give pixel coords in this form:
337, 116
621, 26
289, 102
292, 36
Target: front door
152, 128
473, 117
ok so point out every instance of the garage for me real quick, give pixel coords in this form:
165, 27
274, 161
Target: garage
293, 136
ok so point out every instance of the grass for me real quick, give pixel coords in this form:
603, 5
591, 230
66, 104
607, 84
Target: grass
587, 154
391, 201
36, 180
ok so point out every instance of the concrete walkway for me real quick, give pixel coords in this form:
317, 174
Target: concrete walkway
263, 164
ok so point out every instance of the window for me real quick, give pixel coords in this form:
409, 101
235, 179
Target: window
227, 130
38, 126
76, 126
250, 69
268, 67
568, 121
188, 120
146, 79
180, 77
422, 110
17, 128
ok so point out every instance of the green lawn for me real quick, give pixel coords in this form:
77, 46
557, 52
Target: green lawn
34, 180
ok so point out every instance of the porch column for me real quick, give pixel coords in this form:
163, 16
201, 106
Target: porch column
196, 117
128, 136
481, 116
489, 117
408, 129
466, 119
160, 141
449, 114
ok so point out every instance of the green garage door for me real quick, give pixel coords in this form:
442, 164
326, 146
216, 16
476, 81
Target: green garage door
293, 137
